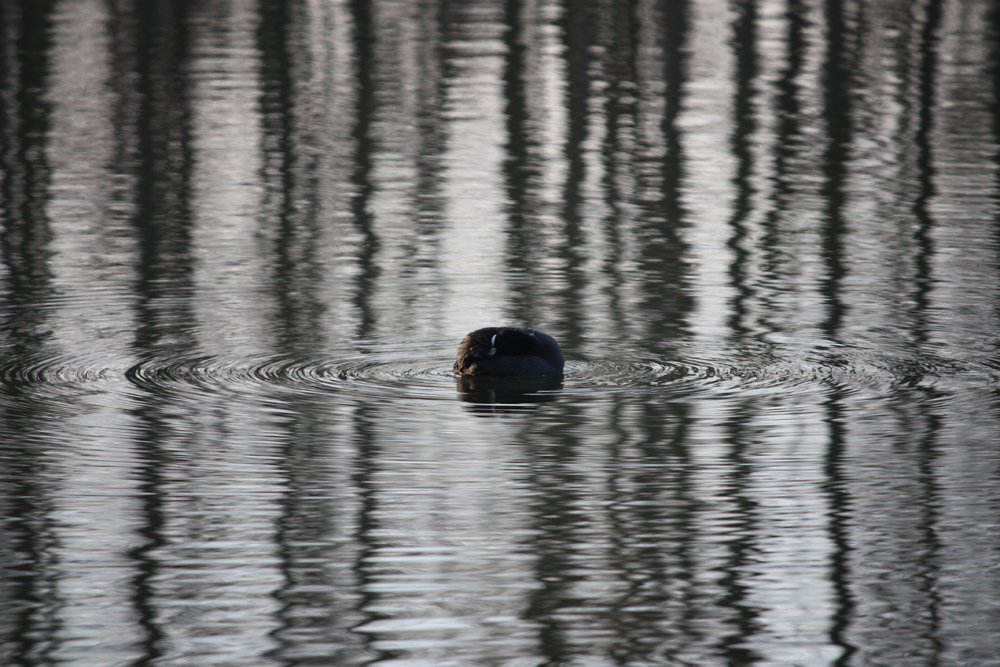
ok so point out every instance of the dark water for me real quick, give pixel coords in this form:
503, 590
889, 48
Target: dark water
239, 245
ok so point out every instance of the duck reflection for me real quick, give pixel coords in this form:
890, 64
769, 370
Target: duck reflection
489, 394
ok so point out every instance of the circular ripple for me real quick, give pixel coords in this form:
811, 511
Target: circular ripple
38, 371
423, 372
603, 375
374, 372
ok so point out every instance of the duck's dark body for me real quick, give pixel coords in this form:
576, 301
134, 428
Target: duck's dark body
508, 351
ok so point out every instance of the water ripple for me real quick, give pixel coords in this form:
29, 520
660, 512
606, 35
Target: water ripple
424, 373
377, 372
38, 370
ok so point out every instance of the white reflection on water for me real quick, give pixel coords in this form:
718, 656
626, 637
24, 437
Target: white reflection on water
239, 244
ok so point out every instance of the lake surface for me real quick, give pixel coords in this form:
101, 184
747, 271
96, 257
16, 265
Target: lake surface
241, 241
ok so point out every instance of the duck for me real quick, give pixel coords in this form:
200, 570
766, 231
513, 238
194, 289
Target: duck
507, 352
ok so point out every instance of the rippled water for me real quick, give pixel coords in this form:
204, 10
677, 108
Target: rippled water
240, 243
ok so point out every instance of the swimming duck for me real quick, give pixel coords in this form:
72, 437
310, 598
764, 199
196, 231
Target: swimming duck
508, 351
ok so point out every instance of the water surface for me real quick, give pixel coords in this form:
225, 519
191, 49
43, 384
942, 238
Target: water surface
240, 243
